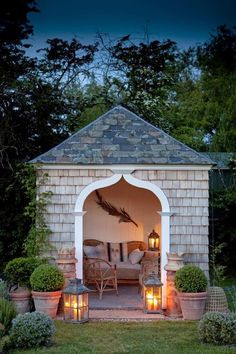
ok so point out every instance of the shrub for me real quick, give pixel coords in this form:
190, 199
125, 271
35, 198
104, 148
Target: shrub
4, 290
7, 313
190, 279
47, 277
31, 330
231, 297
19, 270
217, 328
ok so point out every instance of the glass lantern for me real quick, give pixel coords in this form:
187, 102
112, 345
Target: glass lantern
76, 304
153, 241
152, 294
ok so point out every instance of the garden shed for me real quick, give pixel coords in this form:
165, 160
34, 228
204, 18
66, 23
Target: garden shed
139, 169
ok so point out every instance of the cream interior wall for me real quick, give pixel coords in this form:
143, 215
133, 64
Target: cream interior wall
140, 204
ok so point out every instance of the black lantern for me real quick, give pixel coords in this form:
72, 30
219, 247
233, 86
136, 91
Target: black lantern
152, 294
76, 304
153, 241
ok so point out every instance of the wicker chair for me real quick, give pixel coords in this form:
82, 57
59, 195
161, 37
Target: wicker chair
100, 273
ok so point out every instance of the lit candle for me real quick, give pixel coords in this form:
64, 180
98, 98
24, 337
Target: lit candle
149, 298
155, 303
153, 242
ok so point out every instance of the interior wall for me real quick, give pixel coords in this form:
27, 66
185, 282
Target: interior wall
141, 204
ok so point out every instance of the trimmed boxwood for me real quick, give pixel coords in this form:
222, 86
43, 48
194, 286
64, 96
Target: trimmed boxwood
19, 270
217, 328
31, 330
47, 277
190, 279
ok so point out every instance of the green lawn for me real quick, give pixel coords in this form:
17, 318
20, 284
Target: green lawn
166, 337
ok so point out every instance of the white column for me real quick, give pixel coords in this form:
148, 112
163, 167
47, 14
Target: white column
79, 242
165, 247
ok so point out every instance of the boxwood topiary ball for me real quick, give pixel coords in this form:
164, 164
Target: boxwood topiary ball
190, 279
47, 277
217, 328
31, 330
19, 270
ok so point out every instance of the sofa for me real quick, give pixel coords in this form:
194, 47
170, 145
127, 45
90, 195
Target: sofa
125, 256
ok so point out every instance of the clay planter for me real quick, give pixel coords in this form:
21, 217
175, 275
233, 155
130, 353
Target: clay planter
192, 305
47, 302
21, 298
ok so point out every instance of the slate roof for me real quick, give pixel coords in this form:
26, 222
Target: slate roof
121, 137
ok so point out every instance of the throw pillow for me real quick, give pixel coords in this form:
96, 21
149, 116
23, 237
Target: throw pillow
90, 251
102, 251
99, 251
135, 256
117, 252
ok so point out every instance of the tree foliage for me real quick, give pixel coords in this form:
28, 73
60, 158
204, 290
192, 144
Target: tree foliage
203, 112
35, 103
143, 75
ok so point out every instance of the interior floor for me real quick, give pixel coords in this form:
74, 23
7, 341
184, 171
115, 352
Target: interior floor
128, 298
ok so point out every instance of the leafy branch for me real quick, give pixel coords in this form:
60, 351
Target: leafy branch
112, 210
37, 239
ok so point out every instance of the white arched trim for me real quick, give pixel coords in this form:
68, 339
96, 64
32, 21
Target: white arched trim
165, 220
92, 187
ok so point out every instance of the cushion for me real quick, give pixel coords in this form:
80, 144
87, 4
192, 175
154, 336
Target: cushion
90, 251
126, 270
117, 252
135, 256
98, 251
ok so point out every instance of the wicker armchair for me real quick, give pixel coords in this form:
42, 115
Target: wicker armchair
100, 273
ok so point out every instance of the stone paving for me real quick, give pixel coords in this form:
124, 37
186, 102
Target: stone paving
128, 298
127, 306
123, 315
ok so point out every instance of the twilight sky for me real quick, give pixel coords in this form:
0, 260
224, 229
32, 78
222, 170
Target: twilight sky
186, 21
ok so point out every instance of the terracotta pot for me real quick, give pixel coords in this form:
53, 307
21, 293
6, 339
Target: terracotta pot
47, 302
21, 298
192, 305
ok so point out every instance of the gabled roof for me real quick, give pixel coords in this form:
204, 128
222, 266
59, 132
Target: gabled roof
121, 137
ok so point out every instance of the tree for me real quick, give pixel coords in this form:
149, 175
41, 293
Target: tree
203, 111
143, 74
34, 105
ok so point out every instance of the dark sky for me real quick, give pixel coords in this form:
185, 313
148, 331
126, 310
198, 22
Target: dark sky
185, 21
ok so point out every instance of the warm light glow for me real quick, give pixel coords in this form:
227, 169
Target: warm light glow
153, 300
153, 241
76, 305
149, 296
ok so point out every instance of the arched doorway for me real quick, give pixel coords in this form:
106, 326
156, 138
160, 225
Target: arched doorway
164, 213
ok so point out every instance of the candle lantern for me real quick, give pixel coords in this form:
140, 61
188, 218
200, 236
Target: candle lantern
153, 241
152, 293
76, 304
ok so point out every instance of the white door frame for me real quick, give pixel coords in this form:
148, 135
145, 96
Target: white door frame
165, 220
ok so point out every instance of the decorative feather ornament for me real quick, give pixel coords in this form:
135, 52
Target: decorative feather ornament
112, 210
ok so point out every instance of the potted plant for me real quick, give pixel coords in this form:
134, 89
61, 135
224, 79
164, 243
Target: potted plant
46, 282
191, 283
17, 273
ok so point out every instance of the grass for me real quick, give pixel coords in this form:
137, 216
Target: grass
166, 337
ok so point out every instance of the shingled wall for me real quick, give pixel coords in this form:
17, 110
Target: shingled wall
187, 193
